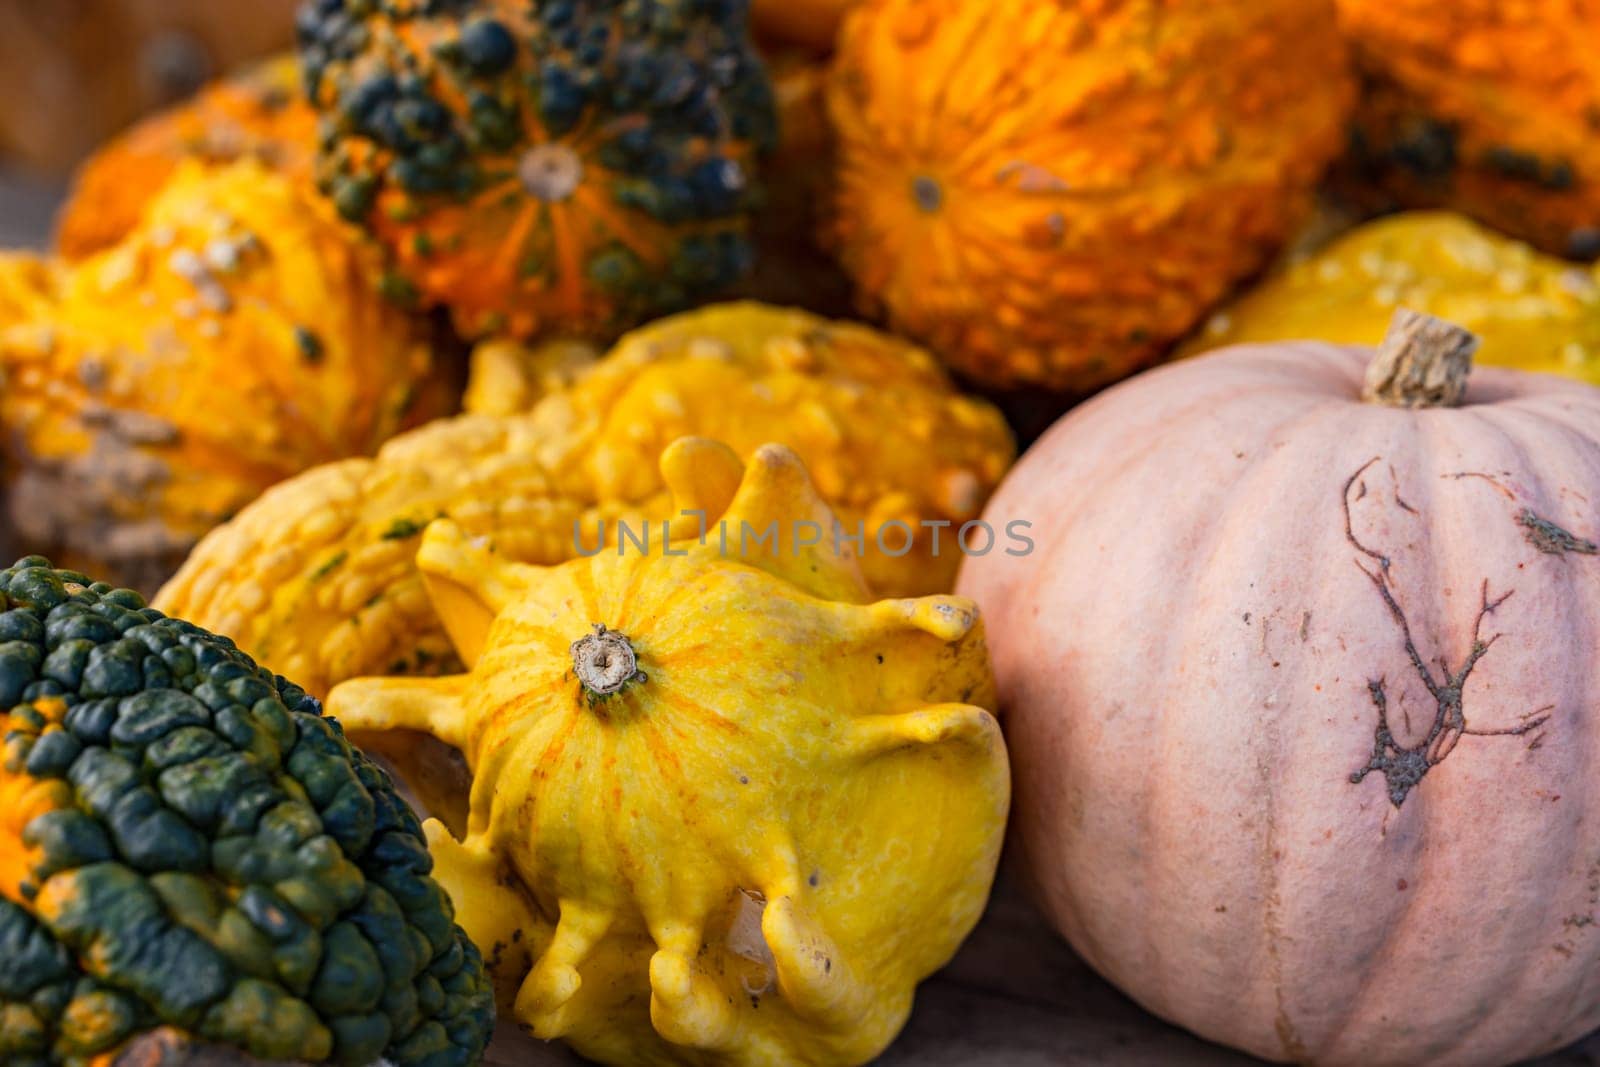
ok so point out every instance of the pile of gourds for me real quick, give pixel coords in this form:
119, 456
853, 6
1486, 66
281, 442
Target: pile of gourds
432, 367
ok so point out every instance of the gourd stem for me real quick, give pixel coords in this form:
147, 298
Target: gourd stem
605, 663
1423, 362
551, 172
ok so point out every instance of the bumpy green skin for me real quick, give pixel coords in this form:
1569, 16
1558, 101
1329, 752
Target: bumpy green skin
665, 95
229, 866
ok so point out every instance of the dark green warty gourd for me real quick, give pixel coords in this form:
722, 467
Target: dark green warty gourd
187, 842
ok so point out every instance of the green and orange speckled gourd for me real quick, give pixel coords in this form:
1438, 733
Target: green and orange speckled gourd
318, 578
725, 810
1051, 194
562, 165
235, 338
187, 844
1486, 107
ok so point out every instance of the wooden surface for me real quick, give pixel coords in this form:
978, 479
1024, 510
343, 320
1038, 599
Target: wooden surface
1017, 996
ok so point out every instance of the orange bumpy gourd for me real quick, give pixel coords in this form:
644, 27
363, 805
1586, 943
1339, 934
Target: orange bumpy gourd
258, 114
232, 340
1053, 193
1487, 107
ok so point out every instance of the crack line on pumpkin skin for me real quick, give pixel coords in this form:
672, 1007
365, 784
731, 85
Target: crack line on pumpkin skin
1405, 767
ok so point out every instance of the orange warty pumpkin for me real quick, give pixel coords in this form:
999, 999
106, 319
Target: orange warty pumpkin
1487, 107
543, 166
1053, 193
258, 114
812, 24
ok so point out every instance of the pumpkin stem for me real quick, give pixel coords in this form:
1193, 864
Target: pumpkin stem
605, 663
1423, 363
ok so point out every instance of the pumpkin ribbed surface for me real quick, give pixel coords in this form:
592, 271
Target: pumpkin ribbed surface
1304, 753
1486, 107
1531, 312
538, 166
319, 576
258, 114
234, 339
1051, 194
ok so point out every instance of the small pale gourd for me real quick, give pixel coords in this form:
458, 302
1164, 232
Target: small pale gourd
723, 808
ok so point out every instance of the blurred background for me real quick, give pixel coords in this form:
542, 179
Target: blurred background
75, 72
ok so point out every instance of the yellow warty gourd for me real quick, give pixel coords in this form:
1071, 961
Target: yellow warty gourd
318, 580
235, 338
724, 809
1532, 312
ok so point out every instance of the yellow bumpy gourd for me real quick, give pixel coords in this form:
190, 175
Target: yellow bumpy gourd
1532, 312
234, 338
723, 809
317, 578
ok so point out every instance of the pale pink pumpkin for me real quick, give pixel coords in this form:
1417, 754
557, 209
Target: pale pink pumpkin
1240, 792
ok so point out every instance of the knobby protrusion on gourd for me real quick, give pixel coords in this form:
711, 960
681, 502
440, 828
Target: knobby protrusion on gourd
605, 663
1424, 362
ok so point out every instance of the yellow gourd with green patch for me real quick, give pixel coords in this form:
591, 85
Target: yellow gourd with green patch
734, 810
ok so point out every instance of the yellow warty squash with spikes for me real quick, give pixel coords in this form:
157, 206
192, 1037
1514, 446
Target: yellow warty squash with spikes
1532, 312
235, 338
318, 580
724, 809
